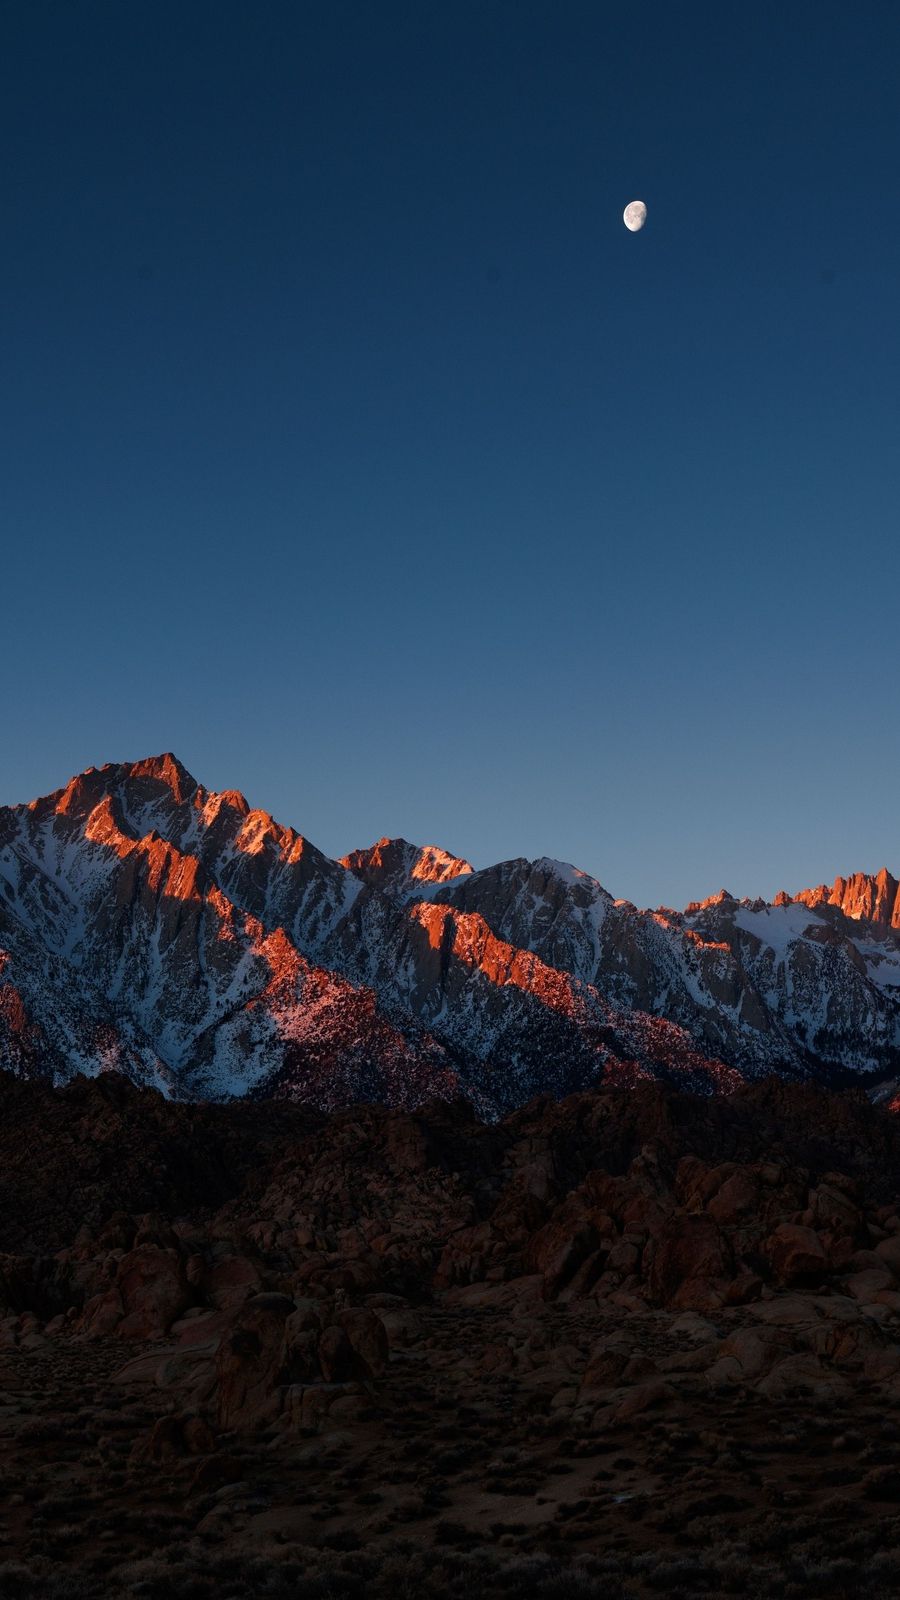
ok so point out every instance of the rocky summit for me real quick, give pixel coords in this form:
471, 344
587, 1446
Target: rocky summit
155, 928
631, 1343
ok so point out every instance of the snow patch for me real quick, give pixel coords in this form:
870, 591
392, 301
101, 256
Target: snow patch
778, 926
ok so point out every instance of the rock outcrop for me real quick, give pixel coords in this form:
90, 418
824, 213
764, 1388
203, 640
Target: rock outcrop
866, 897
635, 1325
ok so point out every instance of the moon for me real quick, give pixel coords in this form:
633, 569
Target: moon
634, 216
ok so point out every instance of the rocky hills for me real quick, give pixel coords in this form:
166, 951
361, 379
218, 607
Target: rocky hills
630, 1343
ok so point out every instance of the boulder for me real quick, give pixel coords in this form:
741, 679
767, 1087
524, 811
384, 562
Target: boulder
833, 1209
102, 1314
176, 1436
302, 1330
801, 1374
690, 1263
232, 1280
737, 1198
795, 1254
752, 1350
336, 1354
888, 1251
605, 1366
643, 1397
250, 1362
368, 1341
865, 1286
154, 1290
557, 1250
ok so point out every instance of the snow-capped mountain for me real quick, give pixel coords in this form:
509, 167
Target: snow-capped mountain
789, 987
405, 871
150, 926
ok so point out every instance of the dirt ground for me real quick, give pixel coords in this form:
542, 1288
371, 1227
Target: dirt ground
456, 1454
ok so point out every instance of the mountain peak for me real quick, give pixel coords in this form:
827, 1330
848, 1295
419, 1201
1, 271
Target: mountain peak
396, 866
724, 897
88, 788
166, 769
568, 874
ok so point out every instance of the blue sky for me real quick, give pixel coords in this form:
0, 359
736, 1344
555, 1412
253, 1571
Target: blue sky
353, 449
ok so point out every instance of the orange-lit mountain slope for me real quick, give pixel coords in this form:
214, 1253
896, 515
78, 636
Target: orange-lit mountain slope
154, 927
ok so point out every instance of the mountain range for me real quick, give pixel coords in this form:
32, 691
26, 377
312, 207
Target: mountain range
156, 928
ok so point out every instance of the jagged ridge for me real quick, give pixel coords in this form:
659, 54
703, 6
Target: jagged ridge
154, 927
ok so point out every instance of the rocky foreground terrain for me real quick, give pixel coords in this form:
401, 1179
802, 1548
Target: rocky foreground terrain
633, 1343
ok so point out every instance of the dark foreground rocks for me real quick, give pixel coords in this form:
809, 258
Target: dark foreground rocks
630, 1344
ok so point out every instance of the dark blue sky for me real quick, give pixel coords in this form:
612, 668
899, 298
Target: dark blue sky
352, 448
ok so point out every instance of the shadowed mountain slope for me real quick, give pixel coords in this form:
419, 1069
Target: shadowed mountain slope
151, 926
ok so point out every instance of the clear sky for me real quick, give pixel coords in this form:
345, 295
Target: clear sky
352, 448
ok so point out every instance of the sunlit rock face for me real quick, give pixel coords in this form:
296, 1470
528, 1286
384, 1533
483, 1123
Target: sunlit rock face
404, 870
863, 896
788, 988
155, 928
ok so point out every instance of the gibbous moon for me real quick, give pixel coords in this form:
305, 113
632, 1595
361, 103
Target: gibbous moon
634, 216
